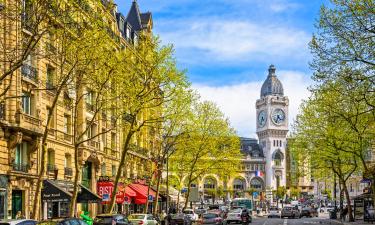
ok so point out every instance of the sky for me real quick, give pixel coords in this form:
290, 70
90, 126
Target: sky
226, 46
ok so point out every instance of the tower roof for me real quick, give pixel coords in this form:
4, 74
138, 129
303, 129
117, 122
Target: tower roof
272, 85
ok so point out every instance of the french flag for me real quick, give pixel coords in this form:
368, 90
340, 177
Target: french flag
259, 173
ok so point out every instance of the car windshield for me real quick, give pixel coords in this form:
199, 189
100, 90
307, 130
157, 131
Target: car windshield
235, 211
273, 209
136, 217
209, 216
188, 212
287, 208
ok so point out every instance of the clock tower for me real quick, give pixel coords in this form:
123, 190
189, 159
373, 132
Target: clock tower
272, 128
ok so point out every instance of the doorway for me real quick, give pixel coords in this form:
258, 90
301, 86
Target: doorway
16, 202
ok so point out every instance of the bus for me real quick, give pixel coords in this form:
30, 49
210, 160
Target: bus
242, 203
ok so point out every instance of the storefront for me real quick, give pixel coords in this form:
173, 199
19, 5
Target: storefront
143, 192
57, 195
364, 207
124, 195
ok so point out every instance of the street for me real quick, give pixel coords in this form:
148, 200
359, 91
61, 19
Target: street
302, 221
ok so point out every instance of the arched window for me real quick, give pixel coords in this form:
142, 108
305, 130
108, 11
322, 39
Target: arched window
277, 158
256, 183
239, 184
209, 183
68, 161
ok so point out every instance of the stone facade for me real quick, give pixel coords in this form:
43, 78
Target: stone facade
23, 119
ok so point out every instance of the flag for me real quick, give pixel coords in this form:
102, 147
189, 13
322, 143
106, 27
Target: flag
259, 173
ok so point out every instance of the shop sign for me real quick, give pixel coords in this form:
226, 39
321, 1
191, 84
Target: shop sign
105, 189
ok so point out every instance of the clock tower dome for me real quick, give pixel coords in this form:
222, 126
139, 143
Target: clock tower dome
272, 129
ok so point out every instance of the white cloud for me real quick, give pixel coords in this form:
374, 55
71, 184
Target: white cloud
235, 40
238, 101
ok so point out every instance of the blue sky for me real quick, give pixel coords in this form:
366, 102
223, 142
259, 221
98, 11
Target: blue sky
227, 45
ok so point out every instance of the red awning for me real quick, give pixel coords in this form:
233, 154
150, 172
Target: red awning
129, 192
141, 193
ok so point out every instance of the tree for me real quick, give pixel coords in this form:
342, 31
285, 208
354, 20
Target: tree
280, 193
345, 38
210, 140
149, 79
73, 49
295, 193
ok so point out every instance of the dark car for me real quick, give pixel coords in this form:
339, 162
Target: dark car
180, 219
287, 212
66, 221
309, 212
109, 219
212, 218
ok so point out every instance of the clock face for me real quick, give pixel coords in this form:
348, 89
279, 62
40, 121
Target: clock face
262, 118
278, 116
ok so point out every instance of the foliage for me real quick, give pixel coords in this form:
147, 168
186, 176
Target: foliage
280, 192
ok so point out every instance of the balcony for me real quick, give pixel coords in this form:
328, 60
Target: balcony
68, 137
68, 172
89, 107
51, 131
93, 143
21, 167
29, 122
51, 168
29, 72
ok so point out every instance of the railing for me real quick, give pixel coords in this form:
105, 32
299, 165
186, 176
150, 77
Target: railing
50, 87
68, 172
29, 72
89, 107
68, 137
107, 150
51, 168
32, 120
21, 167
51, 131
93, 143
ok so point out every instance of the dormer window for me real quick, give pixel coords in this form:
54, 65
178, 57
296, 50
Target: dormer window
128, 32
135, 39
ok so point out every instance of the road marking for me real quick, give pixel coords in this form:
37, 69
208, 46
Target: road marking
265, 222
285, 221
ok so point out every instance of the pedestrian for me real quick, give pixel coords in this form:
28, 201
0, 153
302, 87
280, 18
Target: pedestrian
163, 216
344, 213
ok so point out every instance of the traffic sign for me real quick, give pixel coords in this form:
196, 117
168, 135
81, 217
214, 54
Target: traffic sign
150, 198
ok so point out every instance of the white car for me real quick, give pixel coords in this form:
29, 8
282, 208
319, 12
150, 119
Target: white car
274, 212
191, 214
234, 216
142, 219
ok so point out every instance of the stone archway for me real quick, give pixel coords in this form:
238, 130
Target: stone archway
257, 184
210, 185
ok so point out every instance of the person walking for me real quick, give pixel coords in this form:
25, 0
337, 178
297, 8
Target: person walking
344, 213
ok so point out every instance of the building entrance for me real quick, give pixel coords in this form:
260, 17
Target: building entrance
16, 202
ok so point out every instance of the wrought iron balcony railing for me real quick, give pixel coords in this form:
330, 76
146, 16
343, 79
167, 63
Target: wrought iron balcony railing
51, 167
68, 171
22, 167
29, 72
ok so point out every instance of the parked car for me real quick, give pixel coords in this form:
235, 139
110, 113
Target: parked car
212, 218
110, 219
309, 212
142, 219
200, 211
287, 211
180, 219
274, 212
18, 222
296, 212
65, 221
234, 216
190, 213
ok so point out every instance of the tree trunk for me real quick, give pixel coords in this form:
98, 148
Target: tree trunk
178, 200
77, 171
148, 194
37, 200
120, 167
157, 193
187, 196
350, 211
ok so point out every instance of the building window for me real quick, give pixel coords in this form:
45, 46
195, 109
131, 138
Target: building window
21, 157
238, 184
114, 170
51, 160
256, 183
104, 169
113, 140
26, 103
50, 76
67, 124
68, 161
209, 183
128, 32
104, 137
274, 143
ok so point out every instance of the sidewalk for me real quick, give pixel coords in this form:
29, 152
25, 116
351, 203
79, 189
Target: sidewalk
352, 223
